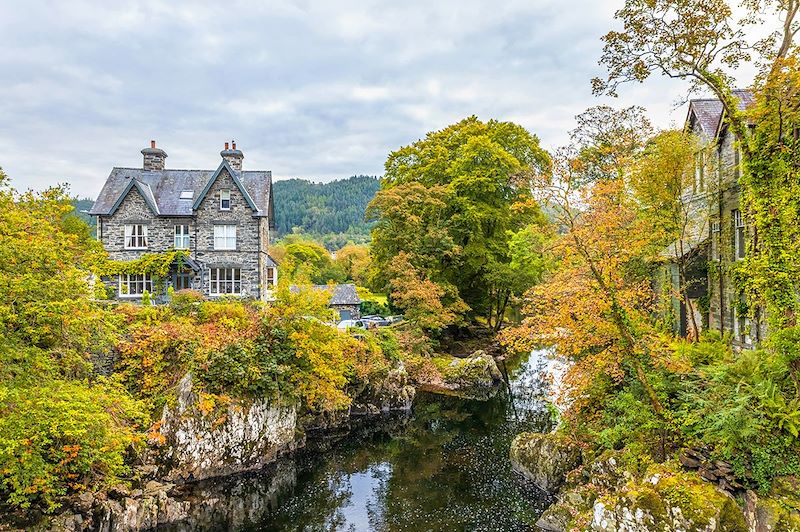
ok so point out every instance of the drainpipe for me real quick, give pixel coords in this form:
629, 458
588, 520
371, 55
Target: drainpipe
719, 245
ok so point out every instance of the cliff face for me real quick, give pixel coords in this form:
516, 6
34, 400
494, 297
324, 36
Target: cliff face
240, 436
204, 439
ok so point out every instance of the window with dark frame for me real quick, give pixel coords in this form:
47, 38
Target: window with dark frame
225, 200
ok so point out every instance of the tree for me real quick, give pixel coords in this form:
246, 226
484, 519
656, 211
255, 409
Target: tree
62, 428
304, 260
452, 202
354, 261
695, 40
595, 305
660, 179
698, 40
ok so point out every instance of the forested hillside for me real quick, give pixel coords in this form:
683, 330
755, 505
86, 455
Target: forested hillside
333, 211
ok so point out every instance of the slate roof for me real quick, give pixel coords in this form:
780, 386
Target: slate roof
343, 294
165, 187
709, 111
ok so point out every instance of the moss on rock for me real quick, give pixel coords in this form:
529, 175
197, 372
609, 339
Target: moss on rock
544, 459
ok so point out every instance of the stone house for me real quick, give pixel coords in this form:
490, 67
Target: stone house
716, 235
222, 218
344, 299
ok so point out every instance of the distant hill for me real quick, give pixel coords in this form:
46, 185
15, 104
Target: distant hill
333, 212
82, 207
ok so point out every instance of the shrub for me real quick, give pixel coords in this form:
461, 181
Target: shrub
58, 436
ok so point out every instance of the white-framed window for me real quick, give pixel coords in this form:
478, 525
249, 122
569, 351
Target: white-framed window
738, 235
135, 236
272, 277
224, 237
187, 194
226, 281
224, 200
181, 236
134, 285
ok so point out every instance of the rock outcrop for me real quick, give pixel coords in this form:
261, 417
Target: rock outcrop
474, 377
780, 510
239, 502
390, 394
204, 441
544, 459
609, 495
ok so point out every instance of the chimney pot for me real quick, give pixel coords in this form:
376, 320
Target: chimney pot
232, 155
154, 158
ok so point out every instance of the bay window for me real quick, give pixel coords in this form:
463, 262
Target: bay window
226, 281
134, 285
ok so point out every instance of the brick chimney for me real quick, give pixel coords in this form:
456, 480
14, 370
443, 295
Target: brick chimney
233, 156
154, 158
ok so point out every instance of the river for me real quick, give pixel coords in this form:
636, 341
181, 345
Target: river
445, 467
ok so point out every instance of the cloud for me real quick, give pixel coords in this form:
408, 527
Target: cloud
308, 89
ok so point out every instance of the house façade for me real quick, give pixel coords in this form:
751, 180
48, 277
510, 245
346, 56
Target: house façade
222, 218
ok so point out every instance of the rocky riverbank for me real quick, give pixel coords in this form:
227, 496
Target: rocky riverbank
474, 376
200, 438
615, 492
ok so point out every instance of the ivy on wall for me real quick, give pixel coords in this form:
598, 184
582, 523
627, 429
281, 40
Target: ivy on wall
770, 274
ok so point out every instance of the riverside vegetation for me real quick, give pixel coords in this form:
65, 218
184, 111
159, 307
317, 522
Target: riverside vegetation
475, 227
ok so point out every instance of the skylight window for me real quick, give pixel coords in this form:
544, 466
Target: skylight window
187, 194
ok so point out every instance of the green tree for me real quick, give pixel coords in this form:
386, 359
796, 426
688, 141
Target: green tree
304, 260
452, 202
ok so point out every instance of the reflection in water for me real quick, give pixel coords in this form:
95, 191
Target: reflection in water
448, 470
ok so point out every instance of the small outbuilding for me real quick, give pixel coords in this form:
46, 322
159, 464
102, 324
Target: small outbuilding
344, 299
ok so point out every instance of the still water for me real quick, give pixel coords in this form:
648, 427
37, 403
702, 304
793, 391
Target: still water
448, 469
443, 468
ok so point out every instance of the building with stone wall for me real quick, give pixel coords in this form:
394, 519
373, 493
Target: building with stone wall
718, 237
222, 218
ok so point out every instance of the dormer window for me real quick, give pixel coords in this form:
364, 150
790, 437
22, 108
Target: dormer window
225, 200
187, 194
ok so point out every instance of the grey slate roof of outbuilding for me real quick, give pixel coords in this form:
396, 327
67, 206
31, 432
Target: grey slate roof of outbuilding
166, 187
709, 112
342, 294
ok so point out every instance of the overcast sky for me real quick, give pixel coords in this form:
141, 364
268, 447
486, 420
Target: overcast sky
316, 90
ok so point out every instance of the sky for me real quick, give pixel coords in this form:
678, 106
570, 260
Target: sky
314, 90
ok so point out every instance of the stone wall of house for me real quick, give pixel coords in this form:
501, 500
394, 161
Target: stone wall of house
723, 293
246, 254
134, 210
250, 233
263, 230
